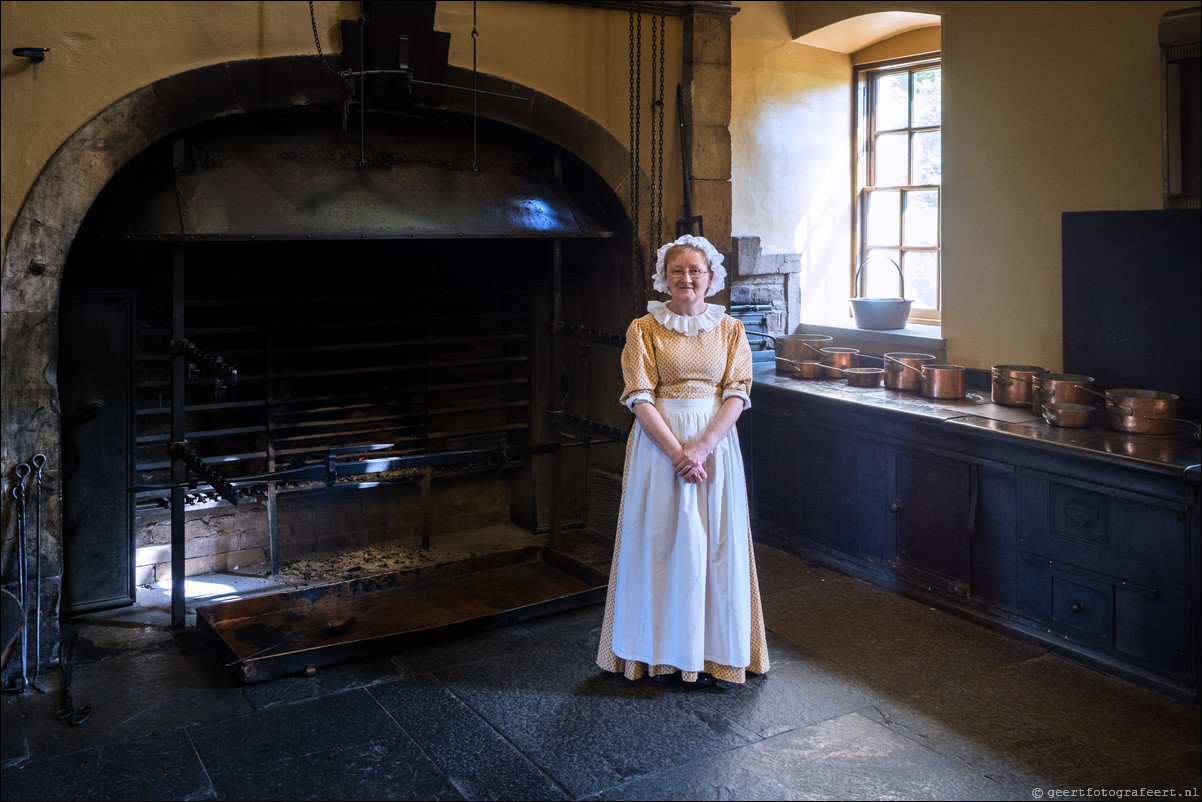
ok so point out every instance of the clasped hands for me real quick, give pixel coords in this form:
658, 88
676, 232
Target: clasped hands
690, 463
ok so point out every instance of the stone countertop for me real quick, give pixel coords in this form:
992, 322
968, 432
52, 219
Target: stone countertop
1177, 454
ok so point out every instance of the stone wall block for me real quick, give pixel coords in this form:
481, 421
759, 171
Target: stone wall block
30, 426
745, 252
710, 146
239, 559
712, 200
707, 38
30, 343
123, 130
712, 83
33, 267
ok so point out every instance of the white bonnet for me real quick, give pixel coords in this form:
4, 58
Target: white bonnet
718, 279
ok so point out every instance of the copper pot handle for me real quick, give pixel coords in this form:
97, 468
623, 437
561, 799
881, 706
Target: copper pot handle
903, 364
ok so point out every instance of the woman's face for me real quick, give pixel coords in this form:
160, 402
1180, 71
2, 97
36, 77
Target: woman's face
694, 277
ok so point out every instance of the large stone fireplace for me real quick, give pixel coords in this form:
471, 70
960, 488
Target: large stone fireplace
432, 282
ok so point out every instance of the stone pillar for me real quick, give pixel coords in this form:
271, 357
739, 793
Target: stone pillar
706, 93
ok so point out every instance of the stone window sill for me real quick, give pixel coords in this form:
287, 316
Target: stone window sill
919, 337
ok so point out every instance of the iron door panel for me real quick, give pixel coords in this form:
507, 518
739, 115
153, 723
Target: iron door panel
95, 392
931, 515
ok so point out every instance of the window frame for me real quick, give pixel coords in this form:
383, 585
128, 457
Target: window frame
863, 169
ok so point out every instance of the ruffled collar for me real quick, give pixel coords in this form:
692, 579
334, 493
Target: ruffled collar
687, 325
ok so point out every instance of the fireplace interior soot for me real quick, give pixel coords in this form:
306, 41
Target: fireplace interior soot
353, 393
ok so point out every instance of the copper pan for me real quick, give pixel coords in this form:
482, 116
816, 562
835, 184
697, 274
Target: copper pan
1062, 413
801, 368
839, 360
903, 370
864, 377
942, 381
805, 347
1141, 411
1060, 388
1012, 384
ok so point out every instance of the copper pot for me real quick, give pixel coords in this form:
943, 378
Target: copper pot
1012, 384
1060, 388
839, 359
903, 370
801, 368
805, 347
864, 377
1141, 411
1062, 413
942, 381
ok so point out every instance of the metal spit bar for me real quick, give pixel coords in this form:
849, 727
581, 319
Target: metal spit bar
316, 373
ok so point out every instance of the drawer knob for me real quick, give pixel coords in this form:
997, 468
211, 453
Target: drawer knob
895, 507
1076, 607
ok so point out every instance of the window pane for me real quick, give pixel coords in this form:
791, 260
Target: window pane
927, 158
926, 98
921, 224
922, 279
892, 101
892, 160
880, 278
883, 219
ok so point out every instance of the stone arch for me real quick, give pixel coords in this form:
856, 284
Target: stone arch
50, 217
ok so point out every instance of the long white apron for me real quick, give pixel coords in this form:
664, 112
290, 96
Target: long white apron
683, 574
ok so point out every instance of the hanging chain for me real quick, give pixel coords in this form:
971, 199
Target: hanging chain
635, 111
475, 36
346, 81
657, 122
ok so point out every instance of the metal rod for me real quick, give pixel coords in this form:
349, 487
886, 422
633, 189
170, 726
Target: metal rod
426, 507
273, 521
179, 470
555, 387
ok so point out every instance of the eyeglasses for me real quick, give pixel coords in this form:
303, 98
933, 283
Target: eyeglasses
678, 272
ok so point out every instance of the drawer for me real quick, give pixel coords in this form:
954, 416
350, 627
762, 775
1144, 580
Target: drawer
1083, 607
1139, 623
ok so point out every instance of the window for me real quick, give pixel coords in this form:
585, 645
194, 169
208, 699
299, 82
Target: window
898, 169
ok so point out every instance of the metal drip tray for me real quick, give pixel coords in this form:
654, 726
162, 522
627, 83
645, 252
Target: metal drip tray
267, 636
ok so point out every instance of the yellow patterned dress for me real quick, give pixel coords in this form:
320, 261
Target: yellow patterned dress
683, 594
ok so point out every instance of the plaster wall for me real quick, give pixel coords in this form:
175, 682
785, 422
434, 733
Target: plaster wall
791, 151
101, 52
1048, 108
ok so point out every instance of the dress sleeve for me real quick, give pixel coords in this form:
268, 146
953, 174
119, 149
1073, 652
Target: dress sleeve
639, 369
737, 381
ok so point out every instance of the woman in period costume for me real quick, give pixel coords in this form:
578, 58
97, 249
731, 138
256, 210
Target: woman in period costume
683, 595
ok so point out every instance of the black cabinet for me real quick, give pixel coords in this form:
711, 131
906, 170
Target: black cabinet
819, 484
1107, 569
1088, 554
954, 524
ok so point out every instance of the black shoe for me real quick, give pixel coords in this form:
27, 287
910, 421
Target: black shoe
665, 678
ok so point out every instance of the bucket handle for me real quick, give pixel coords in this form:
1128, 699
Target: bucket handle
864, 261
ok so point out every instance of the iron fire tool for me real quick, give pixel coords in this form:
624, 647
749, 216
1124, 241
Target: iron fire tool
39, 460
22, 472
